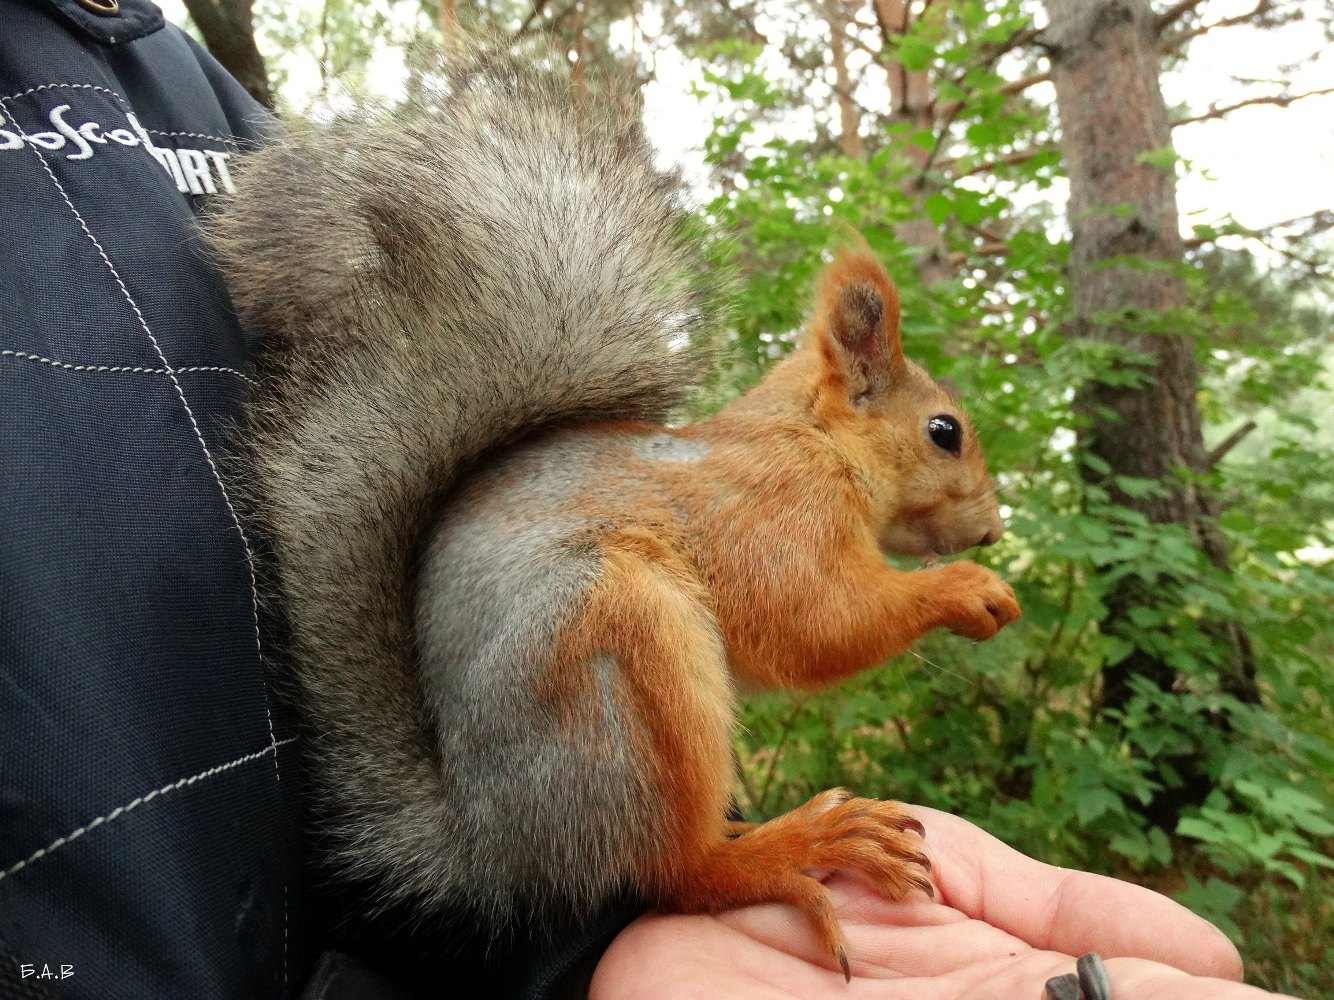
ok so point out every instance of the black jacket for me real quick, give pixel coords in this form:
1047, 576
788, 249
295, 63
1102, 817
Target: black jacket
150, 783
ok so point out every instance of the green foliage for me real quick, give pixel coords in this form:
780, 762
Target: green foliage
1008, 732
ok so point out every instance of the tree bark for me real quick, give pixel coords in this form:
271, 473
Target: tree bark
229, 32
1105, 68
910, 95
447, 19
849, 121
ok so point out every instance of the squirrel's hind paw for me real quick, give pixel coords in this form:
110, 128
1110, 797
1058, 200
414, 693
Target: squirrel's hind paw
783, 860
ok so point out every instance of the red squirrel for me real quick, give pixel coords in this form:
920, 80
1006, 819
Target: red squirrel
520, 603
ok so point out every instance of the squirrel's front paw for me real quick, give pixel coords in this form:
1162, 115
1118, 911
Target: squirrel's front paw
977, 602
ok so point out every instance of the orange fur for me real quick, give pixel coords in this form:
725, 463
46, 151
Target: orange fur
762, 559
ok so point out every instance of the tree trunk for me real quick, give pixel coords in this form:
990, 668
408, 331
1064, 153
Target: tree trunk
447, 19
910, 96
1104, 57
229, 32
849, 121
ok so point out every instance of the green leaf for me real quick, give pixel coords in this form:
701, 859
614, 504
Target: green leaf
938, 207
1164, 158
1193, 826
915, 53
1092, 803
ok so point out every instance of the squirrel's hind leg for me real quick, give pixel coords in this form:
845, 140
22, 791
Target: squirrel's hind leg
651, 616
648, 616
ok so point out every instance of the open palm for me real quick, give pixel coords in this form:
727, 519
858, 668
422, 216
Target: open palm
1001, 926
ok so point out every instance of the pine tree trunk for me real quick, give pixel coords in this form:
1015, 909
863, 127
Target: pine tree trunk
910, 96
1104, 57
849, 121
228, 29
447, 20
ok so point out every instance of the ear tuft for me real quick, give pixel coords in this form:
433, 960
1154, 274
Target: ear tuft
857, 319
858, 314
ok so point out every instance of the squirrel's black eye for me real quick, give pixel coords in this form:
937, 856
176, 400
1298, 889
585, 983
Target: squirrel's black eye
946, 433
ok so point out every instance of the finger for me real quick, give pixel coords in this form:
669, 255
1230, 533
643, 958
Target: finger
665, 957
1138, 979
883, 939
930, 952
913, 937
668, 957
1024, 976
1067, 911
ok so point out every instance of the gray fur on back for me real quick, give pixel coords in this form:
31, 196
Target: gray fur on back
551, 801
434, 281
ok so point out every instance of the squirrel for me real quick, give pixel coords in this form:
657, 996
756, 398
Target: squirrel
520, 603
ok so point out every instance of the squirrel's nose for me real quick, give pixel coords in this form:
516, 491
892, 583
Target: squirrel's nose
994, 531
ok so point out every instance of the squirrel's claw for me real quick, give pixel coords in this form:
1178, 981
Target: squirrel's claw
877, 842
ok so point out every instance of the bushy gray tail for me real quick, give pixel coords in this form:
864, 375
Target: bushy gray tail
434, 281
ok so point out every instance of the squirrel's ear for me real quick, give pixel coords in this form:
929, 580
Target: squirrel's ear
856, 325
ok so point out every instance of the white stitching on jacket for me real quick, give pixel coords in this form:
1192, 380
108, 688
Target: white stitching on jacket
68, 86
193, 135
124, 368
120, 811
180, 393
120, 99
5, 114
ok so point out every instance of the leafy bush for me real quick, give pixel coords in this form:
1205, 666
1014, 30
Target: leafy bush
1008, 733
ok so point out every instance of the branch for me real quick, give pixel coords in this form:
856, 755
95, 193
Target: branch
228, 30
538, 7
1174, 13
1227, 444
870, 50
573, 7
1282, 100
1312, 223
849, 120
747, 21
1316, 266
939, 144
958, 257
1178, 40
783, 735
1316, 222
1009, 90
743, 779
1024, 82
1023, 36
1022, 156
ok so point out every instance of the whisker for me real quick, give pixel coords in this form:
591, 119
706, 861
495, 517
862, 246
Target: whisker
937, 666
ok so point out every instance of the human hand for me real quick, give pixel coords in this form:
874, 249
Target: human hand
1003, 925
